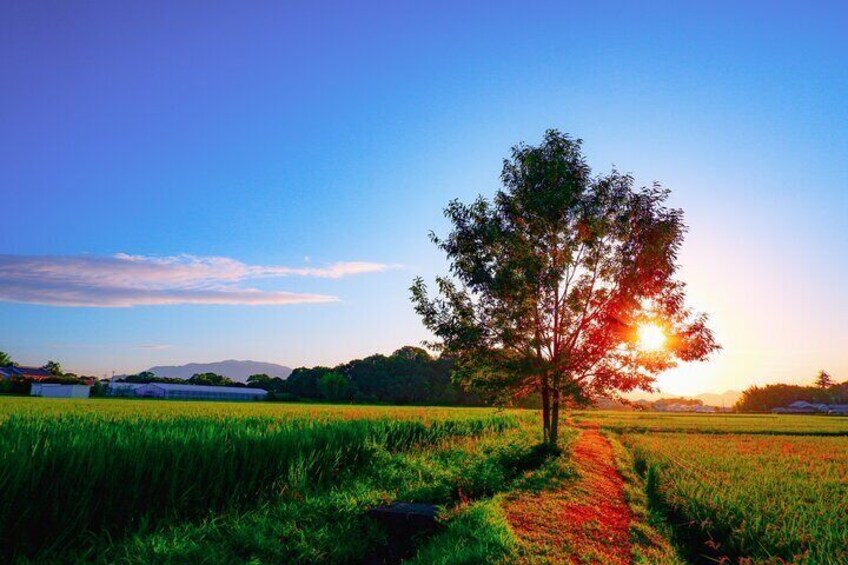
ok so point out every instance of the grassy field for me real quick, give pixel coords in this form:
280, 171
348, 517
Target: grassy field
772, 499
663, 422
70, 470
741, 488
123, 481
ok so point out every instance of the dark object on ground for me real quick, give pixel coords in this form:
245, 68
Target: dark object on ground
406, 524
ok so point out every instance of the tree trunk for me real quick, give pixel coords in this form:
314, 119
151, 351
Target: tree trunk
546, 410
553, 435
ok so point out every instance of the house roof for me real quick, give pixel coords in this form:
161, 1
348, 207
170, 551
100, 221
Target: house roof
31, 372
800, 404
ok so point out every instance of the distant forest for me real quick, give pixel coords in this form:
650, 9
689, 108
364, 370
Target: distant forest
410, 375
765, 398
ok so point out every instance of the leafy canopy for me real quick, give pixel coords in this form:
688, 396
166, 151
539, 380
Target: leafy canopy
551, 279
824, 380
54, 368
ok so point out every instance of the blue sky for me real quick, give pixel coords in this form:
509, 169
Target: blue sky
292, 136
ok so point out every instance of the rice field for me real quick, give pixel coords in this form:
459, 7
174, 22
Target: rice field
141, 481
70, 470
768, 499
719, 423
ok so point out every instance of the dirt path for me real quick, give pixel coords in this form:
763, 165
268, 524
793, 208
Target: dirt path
585, 522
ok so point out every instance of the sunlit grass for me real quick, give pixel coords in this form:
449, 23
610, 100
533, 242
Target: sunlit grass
714, 423
773, 499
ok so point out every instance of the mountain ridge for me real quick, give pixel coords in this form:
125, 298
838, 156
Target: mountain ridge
238, 370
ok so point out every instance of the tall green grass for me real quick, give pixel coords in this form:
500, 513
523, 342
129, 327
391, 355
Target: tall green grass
66, 476
332, 526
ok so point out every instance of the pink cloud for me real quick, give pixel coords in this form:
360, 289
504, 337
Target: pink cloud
124, 280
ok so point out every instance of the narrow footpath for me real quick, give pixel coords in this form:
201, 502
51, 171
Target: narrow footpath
588, 521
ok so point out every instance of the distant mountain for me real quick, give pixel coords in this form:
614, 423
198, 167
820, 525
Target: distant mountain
727, 398
236, 370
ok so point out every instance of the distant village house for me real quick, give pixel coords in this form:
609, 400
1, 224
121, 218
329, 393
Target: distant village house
31, 373
804, 407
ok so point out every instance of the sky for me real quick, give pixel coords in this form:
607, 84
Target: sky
193, 181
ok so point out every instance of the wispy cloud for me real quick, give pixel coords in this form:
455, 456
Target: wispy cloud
124, 280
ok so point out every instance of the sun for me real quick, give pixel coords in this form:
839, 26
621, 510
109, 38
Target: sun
650, 337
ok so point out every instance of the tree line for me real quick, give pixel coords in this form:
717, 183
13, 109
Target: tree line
410, 375
207, 379
765, 398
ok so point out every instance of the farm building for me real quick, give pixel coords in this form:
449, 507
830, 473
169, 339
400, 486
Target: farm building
187, 392
32, 373
55, 390
122, 389
797, 407
803, 407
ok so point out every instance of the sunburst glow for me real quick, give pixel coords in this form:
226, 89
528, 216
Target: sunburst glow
650, 337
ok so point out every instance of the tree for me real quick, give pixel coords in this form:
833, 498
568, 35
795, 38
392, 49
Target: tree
551, 281
260, 381
54, 368
303, 382
765, 398
210, 379
5, 360
333, 386
267, 382
824, 380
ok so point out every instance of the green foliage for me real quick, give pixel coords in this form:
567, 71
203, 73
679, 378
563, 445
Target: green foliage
333, 386
765, 398
266, 382
550, 276
207, 379
5, 360
145, 377
54, 368
16, 385
210, 379
116, 466
66, 379
331, 525
410, 375
303, 382
476, 533
98, 388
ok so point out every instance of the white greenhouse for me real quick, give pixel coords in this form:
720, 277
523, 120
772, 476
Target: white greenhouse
191, 392
56, 390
